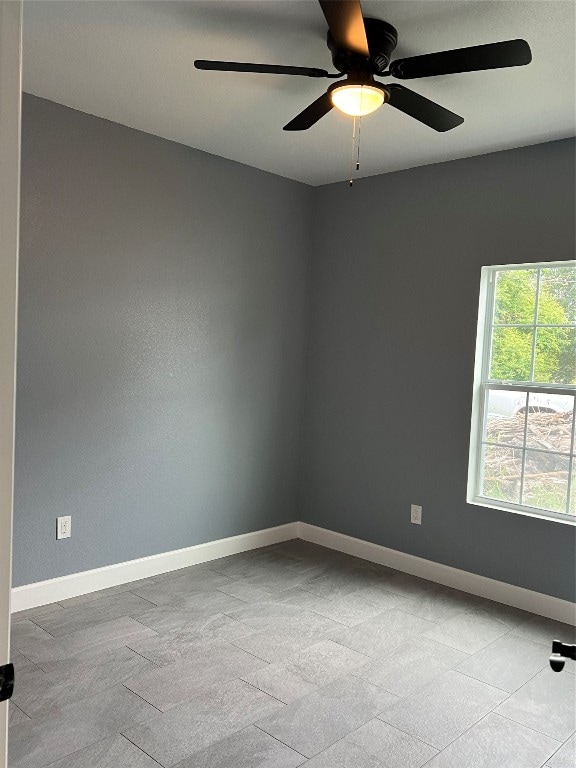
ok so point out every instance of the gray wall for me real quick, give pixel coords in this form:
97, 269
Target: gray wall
161, 337
395, 280
164, 300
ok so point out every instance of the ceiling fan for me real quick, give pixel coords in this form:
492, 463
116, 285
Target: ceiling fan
361, 48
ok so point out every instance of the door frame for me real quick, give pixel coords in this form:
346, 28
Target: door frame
10, 111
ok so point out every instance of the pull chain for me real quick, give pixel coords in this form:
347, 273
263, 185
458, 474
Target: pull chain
355, 159
358, 145
353, 148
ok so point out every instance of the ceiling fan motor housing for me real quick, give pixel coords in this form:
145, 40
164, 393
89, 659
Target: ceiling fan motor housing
382, 39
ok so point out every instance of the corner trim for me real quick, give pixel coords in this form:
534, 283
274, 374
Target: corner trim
508, 594
63, 587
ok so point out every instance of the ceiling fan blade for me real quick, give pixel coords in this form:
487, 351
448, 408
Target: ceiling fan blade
311, 114
346, 24
422, 109
268, 69
511, 53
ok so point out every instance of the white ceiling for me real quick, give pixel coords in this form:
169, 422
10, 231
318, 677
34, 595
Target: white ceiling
132, 62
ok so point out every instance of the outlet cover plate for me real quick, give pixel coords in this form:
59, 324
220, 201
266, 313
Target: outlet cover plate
64, 527
416, 514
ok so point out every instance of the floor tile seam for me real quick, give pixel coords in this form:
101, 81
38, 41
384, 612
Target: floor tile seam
151, 604
479, 680
470, 655
34, 664
144, 626
348, 648
571, 639
202, 567
508, 634
84, 603
521, 725
348, 626
98, 623
191, 754
255, 725
491, 712
285, 704
382, 688
317, 686
128, 739
419, 691
275, 739
91, 604
488, 685
561, 746
31, 719
21, 708
239, 621
180, 630
507, 630
154, 663
391, 651
181, 604
135, 693
82, 698
479, 610
287, 619
432, 621
38, 626
39, 719
511, 693
70, 754
395, 727
544, 668
435, 620
317, 689
434, 746
406, 733
530, 728
222, 592
338, 741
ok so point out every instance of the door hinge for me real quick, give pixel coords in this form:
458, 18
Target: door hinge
6, 682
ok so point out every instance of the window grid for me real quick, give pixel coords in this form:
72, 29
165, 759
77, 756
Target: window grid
527, 448
530, 325
524, 448
526, 387
534, 332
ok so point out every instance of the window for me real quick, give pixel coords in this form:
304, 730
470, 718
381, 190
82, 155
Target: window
522, 448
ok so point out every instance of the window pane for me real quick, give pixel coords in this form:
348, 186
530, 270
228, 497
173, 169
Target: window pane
505, 417
550, 421
555, 359
557, 284
502, 470
527, 345
545, 481
515, 299
511, 354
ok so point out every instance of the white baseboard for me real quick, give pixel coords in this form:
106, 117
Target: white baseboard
52, 590
518, 597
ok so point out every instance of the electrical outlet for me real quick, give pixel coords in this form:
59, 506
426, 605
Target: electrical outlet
416, 514
63, 527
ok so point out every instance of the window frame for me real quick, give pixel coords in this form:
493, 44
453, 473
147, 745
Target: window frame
483, 384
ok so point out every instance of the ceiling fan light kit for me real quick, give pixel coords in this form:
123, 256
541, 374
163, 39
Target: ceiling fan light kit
361, 49
358, 99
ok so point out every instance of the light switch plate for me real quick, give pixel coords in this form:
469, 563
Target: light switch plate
64, 527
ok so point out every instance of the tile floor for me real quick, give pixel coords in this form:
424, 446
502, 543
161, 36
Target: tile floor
288, 656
